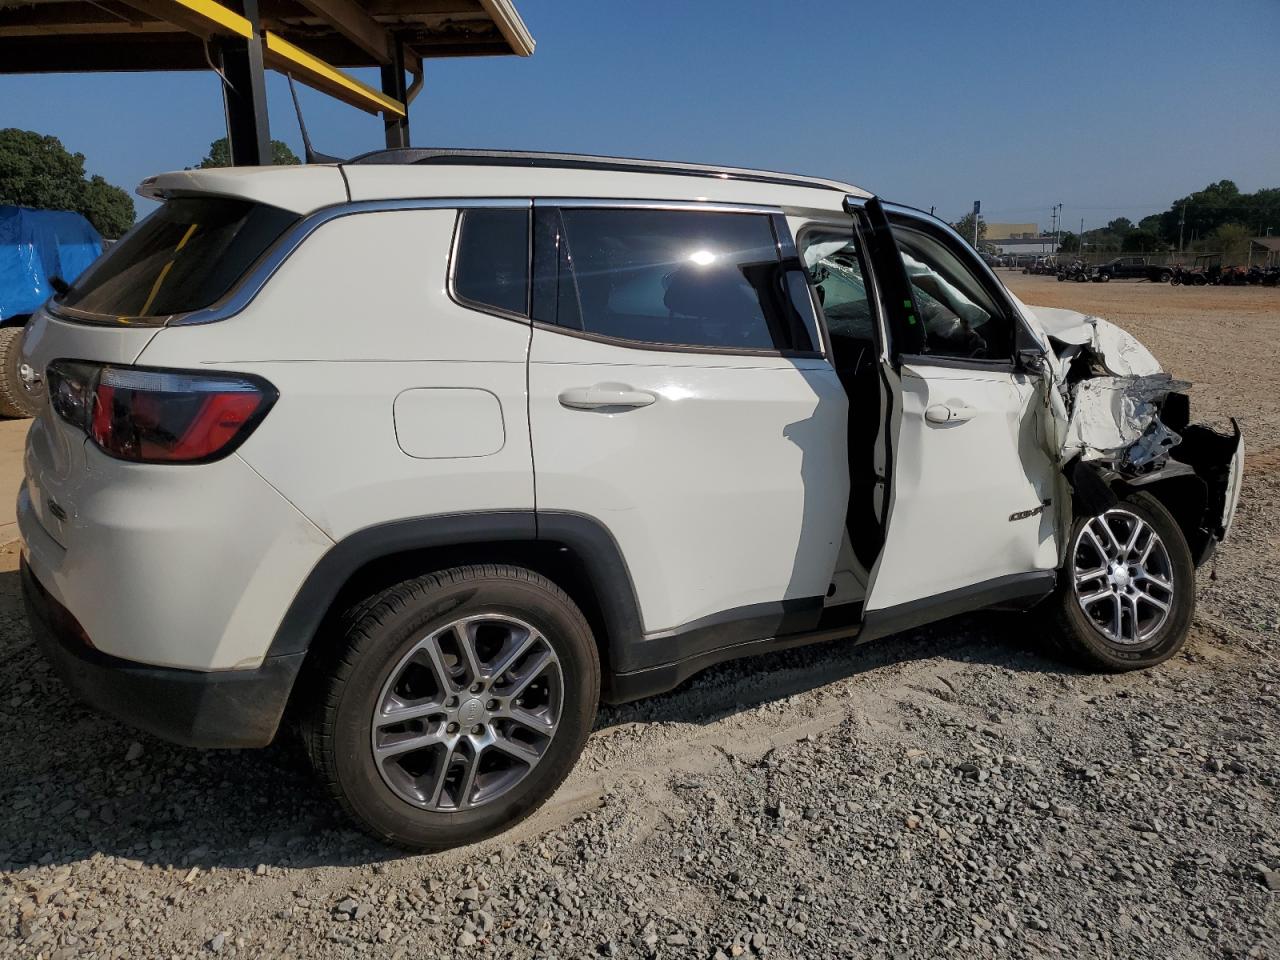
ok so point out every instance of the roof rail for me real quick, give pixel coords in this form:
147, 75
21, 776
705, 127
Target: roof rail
581, 161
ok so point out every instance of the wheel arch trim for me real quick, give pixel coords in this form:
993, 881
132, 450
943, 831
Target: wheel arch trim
588, 538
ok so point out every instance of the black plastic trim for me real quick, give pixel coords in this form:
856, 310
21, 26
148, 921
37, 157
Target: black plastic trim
606, 567
727, 628
1016, 590
305, 614
593, 544
224, 708
654, 680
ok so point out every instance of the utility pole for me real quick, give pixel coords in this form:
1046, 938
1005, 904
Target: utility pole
1080, 241
1055, 224
977, 208
1182, 222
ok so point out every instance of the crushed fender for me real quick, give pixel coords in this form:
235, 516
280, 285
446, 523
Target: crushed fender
1117, 419
1128, 426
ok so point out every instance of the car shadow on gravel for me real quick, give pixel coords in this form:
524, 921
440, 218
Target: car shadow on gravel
78, 786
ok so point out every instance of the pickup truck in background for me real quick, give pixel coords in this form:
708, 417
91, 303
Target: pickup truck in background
1131, 268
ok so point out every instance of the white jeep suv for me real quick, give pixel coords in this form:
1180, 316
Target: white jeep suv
432, 450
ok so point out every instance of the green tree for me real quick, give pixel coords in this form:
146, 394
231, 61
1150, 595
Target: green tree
1102, 240
38, 171
1142, 241
964, 227
1068, 243
1151, 223
1203, 210
219, 154
1121, 226
108, 208
1232, 239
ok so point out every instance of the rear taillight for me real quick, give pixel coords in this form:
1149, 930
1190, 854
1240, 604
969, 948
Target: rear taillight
159, 416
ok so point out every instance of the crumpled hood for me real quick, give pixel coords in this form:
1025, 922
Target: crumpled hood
1112, 413
1065, 332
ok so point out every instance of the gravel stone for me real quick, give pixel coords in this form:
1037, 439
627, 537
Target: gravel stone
951, 791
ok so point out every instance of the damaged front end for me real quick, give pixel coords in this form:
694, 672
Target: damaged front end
1123, 424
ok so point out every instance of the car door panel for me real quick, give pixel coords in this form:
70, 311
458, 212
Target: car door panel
716, 464
971, 486
961, 487
726, 491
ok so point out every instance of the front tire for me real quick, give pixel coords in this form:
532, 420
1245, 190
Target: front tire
453, 705
1128, 590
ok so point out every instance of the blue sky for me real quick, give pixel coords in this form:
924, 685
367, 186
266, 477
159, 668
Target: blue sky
1113, 108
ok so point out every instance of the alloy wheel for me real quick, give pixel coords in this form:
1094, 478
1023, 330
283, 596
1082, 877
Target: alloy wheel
1122, 577
467, 713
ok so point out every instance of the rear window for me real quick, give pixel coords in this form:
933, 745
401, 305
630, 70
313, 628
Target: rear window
670, 277
185, 256
491, 259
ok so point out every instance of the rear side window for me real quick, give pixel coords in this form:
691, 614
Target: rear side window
673, 277
185, 256
491, 259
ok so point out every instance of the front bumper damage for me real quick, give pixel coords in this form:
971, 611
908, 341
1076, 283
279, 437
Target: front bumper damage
1124, 424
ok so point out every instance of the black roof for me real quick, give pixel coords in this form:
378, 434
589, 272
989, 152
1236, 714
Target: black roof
582, 161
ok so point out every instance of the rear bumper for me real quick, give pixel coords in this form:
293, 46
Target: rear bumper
225, 708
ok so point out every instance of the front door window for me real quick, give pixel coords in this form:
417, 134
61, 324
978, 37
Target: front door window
960, 317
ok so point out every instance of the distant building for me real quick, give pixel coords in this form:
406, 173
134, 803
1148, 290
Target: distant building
1035, 245
1011, 231
1265, 251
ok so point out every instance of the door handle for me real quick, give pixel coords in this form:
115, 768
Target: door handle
605, 395
948, 412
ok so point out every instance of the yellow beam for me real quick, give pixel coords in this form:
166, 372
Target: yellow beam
216, 12
282, 55
204, 18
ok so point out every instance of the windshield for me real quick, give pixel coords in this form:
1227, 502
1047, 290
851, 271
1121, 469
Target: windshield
185, 256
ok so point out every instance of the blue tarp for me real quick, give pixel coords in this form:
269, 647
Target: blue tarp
38, 244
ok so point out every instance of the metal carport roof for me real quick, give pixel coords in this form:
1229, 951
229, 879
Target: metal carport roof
308, 39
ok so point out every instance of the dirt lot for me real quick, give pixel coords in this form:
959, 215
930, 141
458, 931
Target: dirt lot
948, 791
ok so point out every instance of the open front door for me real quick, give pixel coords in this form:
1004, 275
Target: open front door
970, 519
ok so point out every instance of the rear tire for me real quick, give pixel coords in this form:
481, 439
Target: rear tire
1124, 601
13, 401
498, 675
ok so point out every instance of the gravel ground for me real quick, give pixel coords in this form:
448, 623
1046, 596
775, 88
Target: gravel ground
947, 791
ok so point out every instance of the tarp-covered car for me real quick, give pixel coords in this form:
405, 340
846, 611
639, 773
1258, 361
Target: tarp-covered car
38, 249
